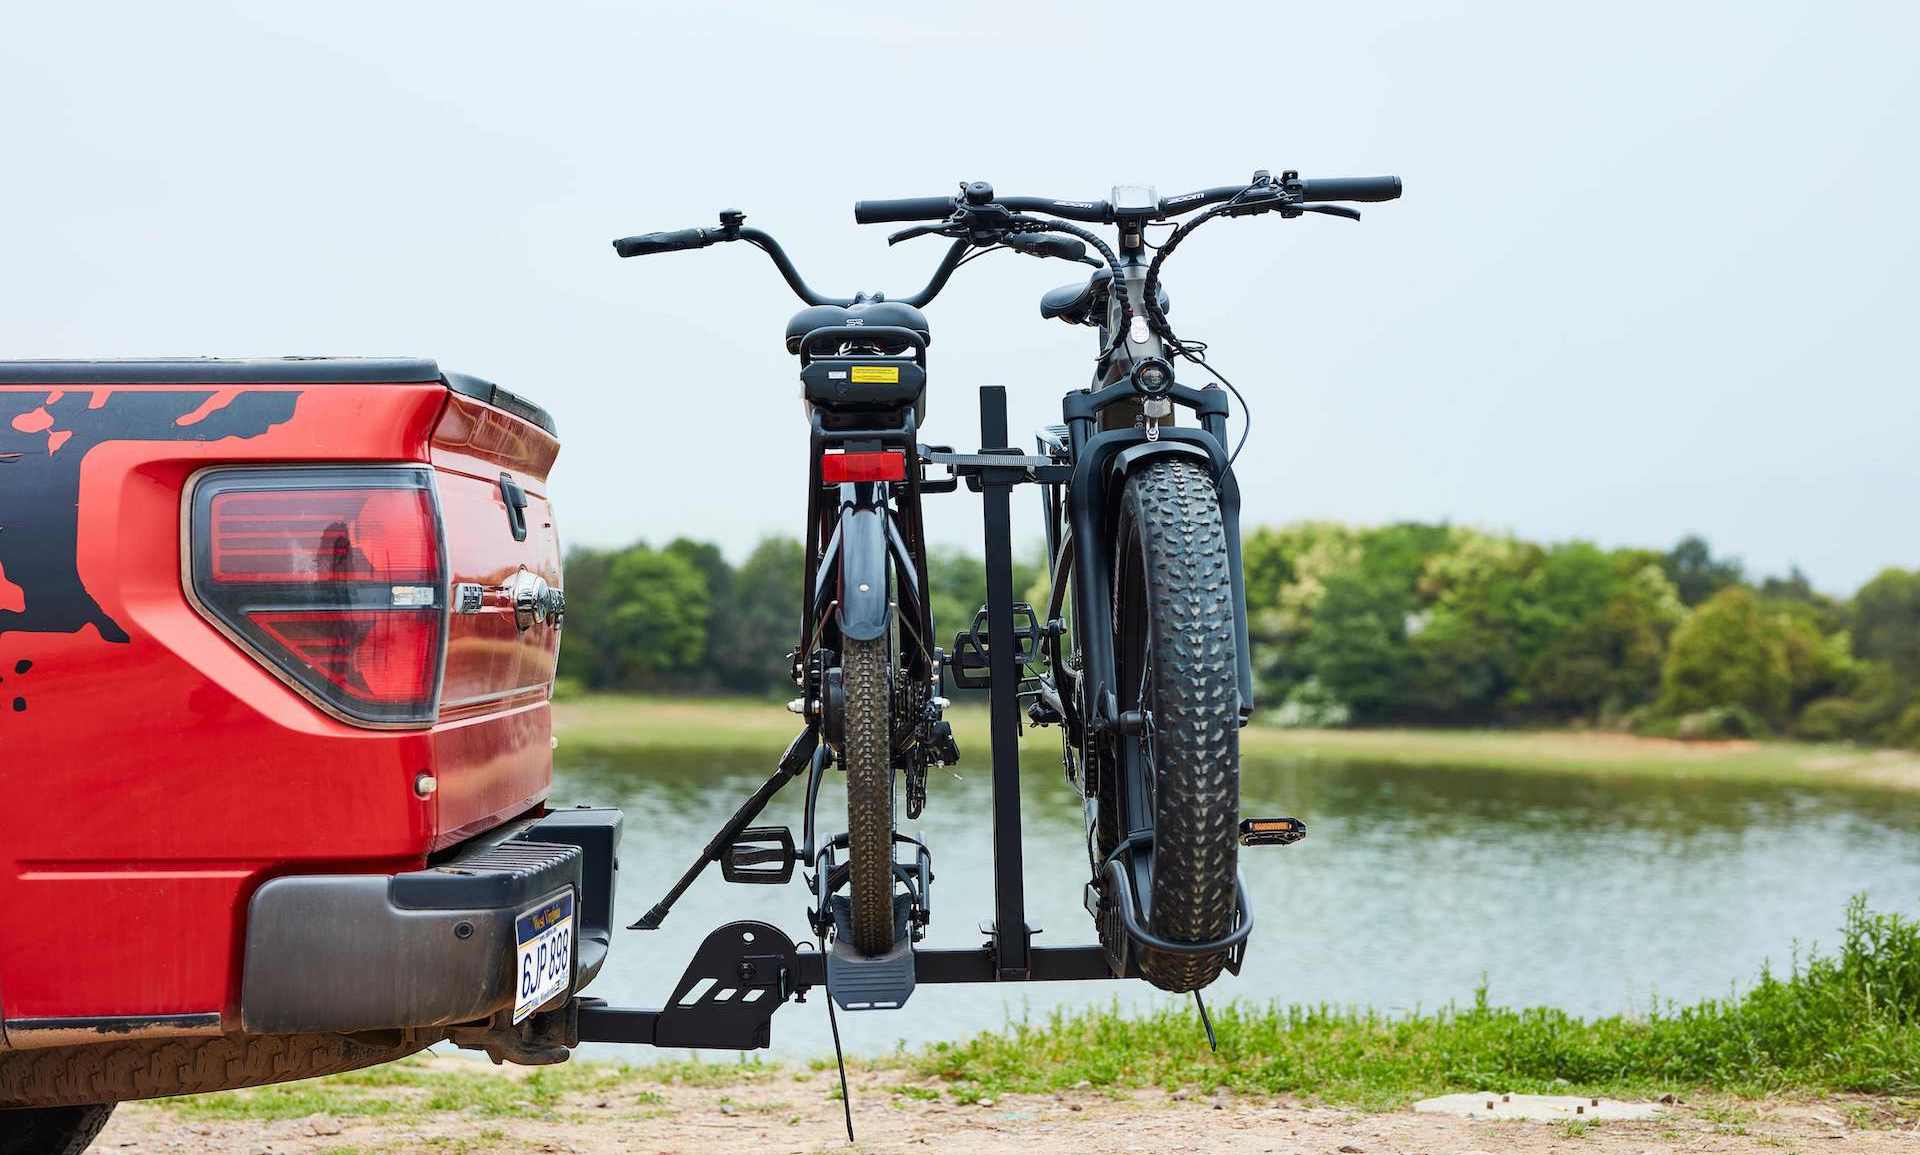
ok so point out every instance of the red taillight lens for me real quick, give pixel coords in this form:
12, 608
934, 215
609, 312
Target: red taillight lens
880, 465
333, 577
379, 656
323, 535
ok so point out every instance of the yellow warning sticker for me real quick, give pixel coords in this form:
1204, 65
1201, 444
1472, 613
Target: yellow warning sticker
876, 374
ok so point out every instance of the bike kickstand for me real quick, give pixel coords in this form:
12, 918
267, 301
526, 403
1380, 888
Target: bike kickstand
798, 757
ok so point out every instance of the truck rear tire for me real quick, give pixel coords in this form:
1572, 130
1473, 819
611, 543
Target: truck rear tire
106, 1073
51, 1130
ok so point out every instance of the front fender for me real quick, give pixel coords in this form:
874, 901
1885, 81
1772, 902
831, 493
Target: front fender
1099, 477
1126, 460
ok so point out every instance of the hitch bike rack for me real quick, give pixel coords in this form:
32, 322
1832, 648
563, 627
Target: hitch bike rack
745, 971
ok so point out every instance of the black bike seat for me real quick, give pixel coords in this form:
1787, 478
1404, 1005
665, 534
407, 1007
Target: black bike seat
1074, 303
892, 313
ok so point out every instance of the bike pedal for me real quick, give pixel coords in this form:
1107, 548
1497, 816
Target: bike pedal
1271, 831
971, 662
760, 856
968, 663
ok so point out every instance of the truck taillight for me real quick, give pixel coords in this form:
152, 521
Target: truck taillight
334, 578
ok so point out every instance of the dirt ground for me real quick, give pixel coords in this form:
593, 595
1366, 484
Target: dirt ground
888, 1117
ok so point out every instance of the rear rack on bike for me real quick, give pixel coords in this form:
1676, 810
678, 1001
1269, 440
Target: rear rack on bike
744, 971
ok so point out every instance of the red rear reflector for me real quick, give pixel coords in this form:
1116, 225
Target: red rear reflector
330, 577
879, 465
319, 535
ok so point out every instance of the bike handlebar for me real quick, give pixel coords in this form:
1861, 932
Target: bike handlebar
668, 242
731, 230
1290, 189
902, 209
1351, 188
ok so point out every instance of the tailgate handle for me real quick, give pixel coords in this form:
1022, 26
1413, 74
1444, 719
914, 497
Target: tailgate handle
516, 499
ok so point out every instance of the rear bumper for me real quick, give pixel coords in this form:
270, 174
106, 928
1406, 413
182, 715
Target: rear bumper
427, 948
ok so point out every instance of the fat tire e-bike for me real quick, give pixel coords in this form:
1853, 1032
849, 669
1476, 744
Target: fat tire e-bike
1140, 653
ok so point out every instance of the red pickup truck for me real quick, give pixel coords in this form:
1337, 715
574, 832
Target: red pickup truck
277, 642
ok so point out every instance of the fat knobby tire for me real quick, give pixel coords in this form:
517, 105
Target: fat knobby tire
867, 756
111, 1072
1171, 514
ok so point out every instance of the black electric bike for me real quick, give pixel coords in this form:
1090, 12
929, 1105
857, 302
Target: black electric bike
1140, 654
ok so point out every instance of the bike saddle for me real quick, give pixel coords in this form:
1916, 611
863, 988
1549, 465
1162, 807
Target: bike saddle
1074, 303
890, 313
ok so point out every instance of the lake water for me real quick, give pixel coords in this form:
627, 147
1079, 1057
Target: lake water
1594, 895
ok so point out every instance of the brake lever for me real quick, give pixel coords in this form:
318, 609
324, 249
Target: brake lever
1046, 245
1351, 214
916, 231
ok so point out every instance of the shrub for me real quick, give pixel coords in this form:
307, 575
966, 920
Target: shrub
1906, 730
1729, 653
1719, 724
1311, 706
1831, 720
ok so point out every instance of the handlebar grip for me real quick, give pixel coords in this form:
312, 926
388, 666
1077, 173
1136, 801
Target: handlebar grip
648, 243
902, 209
1351, 188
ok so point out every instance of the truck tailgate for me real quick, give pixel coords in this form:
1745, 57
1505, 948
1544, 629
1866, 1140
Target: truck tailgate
494, 743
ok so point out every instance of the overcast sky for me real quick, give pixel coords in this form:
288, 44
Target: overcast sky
1653, 273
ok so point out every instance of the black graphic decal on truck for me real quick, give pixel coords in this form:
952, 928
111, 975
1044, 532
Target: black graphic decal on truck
44, 436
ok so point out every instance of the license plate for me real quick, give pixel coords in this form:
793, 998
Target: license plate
543, 947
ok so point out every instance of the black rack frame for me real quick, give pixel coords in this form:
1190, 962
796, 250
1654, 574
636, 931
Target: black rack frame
756, 955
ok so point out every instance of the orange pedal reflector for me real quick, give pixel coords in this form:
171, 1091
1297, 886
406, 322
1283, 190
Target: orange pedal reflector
1271, 831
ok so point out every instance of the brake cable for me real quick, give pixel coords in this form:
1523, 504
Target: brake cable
1150, 292
1195, 351
1021, 223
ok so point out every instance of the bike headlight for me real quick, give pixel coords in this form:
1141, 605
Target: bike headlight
1153, 376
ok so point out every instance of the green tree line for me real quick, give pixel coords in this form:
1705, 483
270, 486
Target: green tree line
1397, 624
681, 619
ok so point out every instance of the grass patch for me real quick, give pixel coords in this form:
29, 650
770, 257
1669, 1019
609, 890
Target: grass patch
1834, 1025
700, 1073
1845, 1023
1596, 754
409, 1088
630, 724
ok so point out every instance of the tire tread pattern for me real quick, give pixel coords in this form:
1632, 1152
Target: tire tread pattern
146, 1069
868, 758
52, 1130
1189, 587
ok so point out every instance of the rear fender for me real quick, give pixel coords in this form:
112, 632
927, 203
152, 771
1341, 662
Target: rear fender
864, 605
